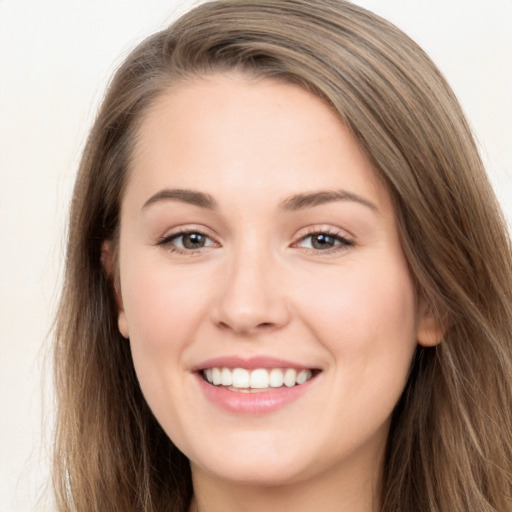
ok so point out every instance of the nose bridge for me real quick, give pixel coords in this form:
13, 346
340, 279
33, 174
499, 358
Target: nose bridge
251, 296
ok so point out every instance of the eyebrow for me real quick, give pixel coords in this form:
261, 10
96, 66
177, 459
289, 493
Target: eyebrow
292, 203
311, 199
185, 196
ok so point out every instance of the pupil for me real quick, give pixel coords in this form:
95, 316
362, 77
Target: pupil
193, 241
323, 241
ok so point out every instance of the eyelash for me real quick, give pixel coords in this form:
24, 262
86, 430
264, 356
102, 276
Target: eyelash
169, 241
341, 242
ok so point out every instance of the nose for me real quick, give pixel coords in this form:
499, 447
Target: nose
251, 298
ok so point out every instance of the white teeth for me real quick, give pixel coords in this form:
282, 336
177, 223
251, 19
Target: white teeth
290, 376
276, 378
259, 378
241, 378
226, 377
216, 376
303, 376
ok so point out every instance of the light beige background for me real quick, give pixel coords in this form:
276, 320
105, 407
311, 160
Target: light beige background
55, 59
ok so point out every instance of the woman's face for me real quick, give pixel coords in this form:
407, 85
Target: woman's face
258, 245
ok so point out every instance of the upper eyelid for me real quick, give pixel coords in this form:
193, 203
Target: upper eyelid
344, 239
179, 234
322, 229
180, 231
301, 234
167, 242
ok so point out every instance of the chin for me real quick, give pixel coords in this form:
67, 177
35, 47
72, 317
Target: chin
263, 473
262, 460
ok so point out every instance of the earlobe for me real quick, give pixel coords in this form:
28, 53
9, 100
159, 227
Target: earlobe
122, 324
108, 262
430, 331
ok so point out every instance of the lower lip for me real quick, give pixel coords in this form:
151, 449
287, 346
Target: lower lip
252, 403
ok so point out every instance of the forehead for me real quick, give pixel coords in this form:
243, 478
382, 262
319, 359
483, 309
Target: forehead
228, 131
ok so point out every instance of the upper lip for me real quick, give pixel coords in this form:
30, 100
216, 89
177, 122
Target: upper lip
249, 363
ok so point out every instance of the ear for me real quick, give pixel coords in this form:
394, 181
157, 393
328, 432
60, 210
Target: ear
430, 331
108, 260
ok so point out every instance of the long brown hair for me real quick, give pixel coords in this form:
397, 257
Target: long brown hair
450, 444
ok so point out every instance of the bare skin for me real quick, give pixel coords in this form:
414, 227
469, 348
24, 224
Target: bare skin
254, 228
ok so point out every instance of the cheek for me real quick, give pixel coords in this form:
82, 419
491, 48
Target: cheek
366, 318
164, 308
162, 304
362, 302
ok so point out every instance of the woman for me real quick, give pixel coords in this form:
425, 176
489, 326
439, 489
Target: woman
282, 208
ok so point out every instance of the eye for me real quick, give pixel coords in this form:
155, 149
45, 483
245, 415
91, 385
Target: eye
324, 241
187, 241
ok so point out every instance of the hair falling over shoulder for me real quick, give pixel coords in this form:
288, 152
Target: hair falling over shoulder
450, 444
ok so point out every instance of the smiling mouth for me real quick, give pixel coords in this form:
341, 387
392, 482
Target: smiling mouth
260, 379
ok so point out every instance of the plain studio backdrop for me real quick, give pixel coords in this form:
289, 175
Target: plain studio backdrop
56, 57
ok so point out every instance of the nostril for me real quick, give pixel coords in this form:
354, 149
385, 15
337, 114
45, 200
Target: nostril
246, 330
